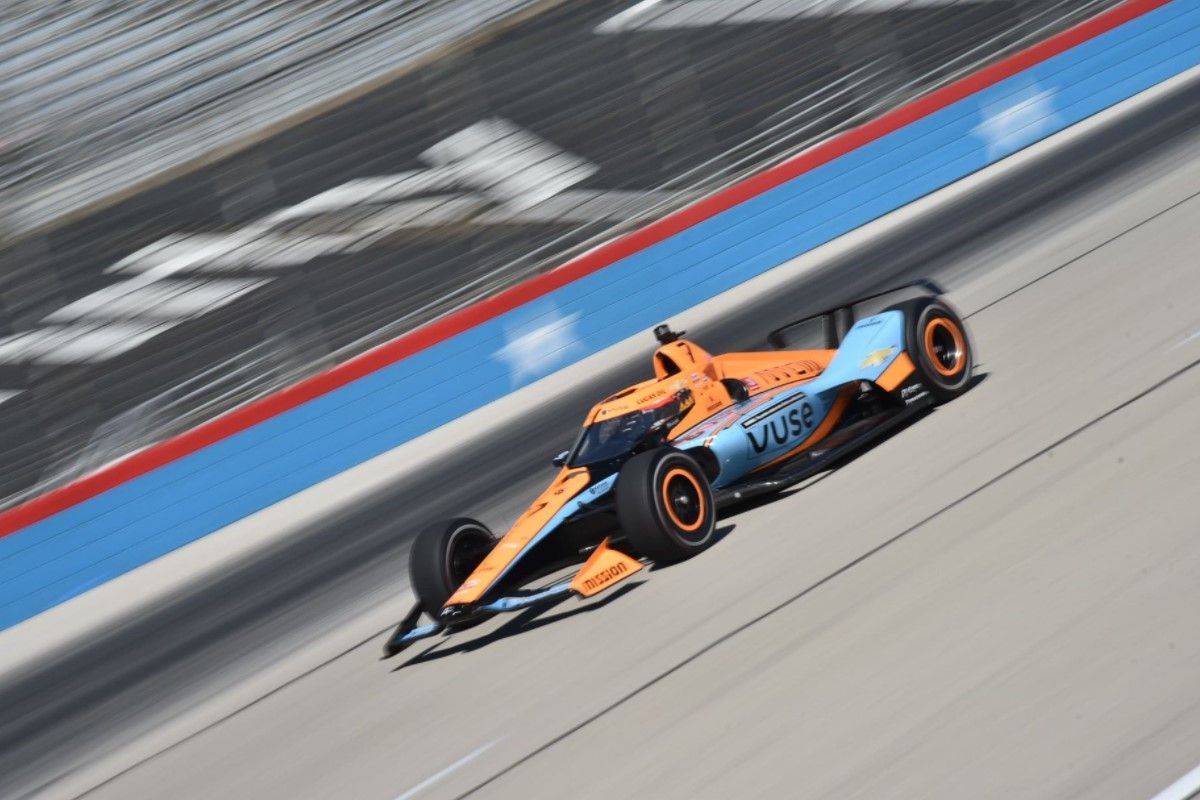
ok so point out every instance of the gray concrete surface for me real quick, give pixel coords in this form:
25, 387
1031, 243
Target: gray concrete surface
135, 666
996, 602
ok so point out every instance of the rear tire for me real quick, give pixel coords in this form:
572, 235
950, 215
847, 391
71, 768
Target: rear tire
936, 340
443, 555
665, 505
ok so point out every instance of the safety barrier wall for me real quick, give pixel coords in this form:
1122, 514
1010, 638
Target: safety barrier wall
406, 389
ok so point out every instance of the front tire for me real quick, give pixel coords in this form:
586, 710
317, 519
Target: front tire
444, 555
665, 505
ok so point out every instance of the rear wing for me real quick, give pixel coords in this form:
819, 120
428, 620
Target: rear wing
825, 331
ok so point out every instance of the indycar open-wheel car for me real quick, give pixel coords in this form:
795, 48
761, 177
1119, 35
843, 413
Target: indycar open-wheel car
655, 462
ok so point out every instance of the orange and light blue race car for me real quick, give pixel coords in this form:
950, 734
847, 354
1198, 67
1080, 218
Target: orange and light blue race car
655, 461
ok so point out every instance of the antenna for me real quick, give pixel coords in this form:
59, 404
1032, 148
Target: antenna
665, 335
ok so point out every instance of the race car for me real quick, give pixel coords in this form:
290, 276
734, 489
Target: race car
655, 462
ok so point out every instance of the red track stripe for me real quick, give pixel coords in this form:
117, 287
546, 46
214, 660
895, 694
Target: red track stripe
240, 419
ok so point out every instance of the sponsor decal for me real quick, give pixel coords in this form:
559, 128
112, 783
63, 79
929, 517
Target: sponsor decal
913, 393
594, 491
1018, 119
539, 344
795, 425
877, 357
753, 404
915, 398
604, 576
786, 373
750, 384
750, 422
646, 398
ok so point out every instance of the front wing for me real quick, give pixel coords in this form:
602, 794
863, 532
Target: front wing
604, 569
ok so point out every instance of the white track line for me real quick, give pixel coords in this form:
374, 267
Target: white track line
1186, 340
1182, 789
437, 776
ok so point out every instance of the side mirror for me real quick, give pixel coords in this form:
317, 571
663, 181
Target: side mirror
560, 460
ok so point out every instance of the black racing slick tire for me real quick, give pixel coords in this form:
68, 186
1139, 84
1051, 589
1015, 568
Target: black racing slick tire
443, 555
665, 505
937, 342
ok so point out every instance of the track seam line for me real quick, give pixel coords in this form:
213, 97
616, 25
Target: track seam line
1083, 255
827, 579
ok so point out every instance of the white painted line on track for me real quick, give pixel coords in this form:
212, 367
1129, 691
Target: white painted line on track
437, 776
1186, 340
1186, 787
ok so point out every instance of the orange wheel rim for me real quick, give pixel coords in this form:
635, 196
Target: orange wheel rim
945, 346
680, 474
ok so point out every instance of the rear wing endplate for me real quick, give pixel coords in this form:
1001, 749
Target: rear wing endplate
825, 331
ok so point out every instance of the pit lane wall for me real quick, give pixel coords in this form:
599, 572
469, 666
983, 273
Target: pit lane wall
62, 544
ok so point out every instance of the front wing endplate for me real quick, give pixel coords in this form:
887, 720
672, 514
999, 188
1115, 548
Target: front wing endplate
605, 567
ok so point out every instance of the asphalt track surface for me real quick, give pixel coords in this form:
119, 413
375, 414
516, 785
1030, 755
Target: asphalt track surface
998, 601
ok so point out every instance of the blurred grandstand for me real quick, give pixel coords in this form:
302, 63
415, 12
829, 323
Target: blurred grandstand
101, 94
207, 201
